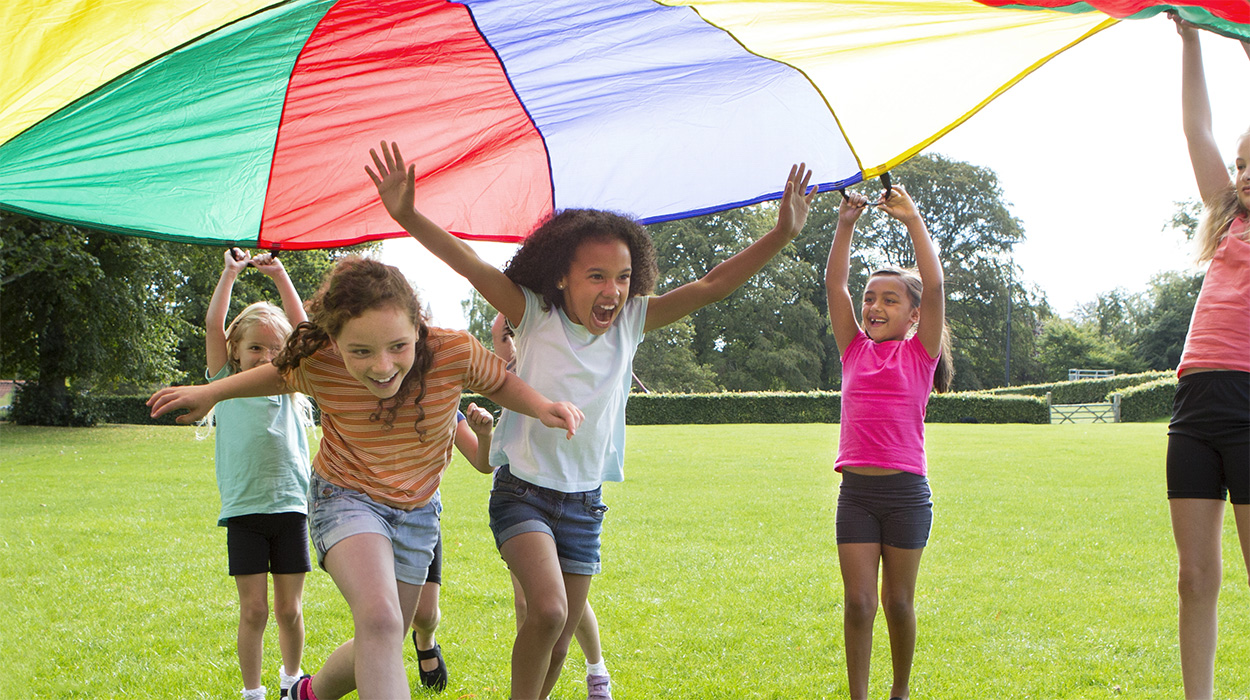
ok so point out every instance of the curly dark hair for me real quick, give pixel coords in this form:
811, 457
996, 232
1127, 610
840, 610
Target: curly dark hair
547, 253
354, 286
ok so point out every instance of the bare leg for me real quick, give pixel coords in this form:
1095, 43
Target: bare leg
576, 589
425, 621
859, 563
1196, 527
1241, 515
363, 568
288, 609
899, 569
253, 615
531, 556
587, 634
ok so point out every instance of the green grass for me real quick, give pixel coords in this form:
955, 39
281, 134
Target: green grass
1050, 573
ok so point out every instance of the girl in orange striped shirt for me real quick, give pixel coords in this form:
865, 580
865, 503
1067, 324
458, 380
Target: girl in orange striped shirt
388, 386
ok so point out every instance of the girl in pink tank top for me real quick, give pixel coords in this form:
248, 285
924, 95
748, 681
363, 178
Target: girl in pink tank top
889, 367
1208, 456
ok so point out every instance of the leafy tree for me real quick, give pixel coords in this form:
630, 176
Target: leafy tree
666, 362
79, 312
1069, 344
85, 310
767, 334
1163, 319
480, 315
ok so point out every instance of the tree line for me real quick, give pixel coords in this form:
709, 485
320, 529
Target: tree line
85, 311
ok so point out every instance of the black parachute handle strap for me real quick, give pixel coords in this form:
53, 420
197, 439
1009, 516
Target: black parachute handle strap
234, 253
885, 183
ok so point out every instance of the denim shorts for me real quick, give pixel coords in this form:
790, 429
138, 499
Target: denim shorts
336, 513
895, 510
573, 520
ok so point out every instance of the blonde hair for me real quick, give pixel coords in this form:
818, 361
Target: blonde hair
910, 277
1217, 215
262, 313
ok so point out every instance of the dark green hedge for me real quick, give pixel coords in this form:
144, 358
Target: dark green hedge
1083, 390
1149, 401
729, 407
807, 407
974, 407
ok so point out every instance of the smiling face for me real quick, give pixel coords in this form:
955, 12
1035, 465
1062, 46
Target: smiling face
378, 347
596, 285
258, 344
888, 312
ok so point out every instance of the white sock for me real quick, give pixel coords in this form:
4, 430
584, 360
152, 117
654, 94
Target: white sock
599, 669
254, 693
284, 681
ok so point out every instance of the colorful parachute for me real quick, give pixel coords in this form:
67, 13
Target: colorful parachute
249, 121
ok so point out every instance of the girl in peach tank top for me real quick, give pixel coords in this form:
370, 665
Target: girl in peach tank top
1208, 456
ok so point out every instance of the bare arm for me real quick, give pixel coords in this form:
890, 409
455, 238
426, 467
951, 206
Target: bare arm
838, 272
272, 268
933, 297
396, 185
1204, 154
732, 273
516, 395
199, 399
215, 352
473, 437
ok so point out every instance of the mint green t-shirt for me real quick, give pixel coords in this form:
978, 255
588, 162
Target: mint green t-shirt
263, 464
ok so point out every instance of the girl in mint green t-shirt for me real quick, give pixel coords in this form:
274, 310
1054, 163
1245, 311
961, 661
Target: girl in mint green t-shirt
263, 469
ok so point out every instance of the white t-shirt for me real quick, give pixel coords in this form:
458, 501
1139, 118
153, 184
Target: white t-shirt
565, 362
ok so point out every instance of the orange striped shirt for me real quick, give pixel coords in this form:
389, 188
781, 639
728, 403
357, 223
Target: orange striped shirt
399, 467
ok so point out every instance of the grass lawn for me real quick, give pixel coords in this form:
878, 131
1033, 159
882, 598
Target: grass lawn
1050, 573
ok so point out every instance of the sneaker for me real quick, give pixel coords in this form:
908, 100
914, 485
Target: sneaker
598, 687
302, 689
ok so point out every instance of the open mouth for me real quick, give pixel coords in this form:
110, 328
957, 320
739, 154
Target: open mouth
384, 384
603, 314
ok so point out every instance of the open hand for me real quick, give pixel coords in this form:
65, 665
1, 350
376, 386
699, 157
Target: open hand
396, 183
796, 200
173, 398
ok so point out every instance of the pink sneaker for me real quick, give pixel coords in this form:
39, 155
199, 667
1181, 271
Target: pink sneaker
598, 687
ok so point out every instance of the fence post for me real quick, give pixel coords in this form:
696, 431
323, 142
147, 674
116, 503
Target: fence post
1050, 412
1115, 406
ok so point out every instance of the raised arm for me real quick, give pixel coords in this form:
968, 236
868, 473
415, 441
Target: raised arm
516, 395
396, 185
1204, 154
842, 315
732, 273
272, 268
933, 298
215, 352
199, 399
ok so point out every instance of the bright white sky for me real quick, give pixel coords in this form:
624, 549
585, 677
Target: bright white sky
1089, 153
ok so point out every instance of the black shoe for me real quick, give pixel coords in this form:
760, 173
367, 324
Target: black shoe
436, 679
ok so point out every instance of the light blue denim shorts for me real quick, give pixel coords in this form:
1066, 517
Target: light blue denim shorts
573, 520
336, 513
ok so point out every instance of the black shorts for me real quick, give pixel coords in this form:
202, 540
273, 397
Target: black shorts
435, 573
1209, 437
895, 510
268, 543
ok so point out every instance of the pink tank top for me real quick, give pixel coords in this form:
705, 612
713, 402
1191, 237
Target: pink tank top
1219, 330
885, 390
